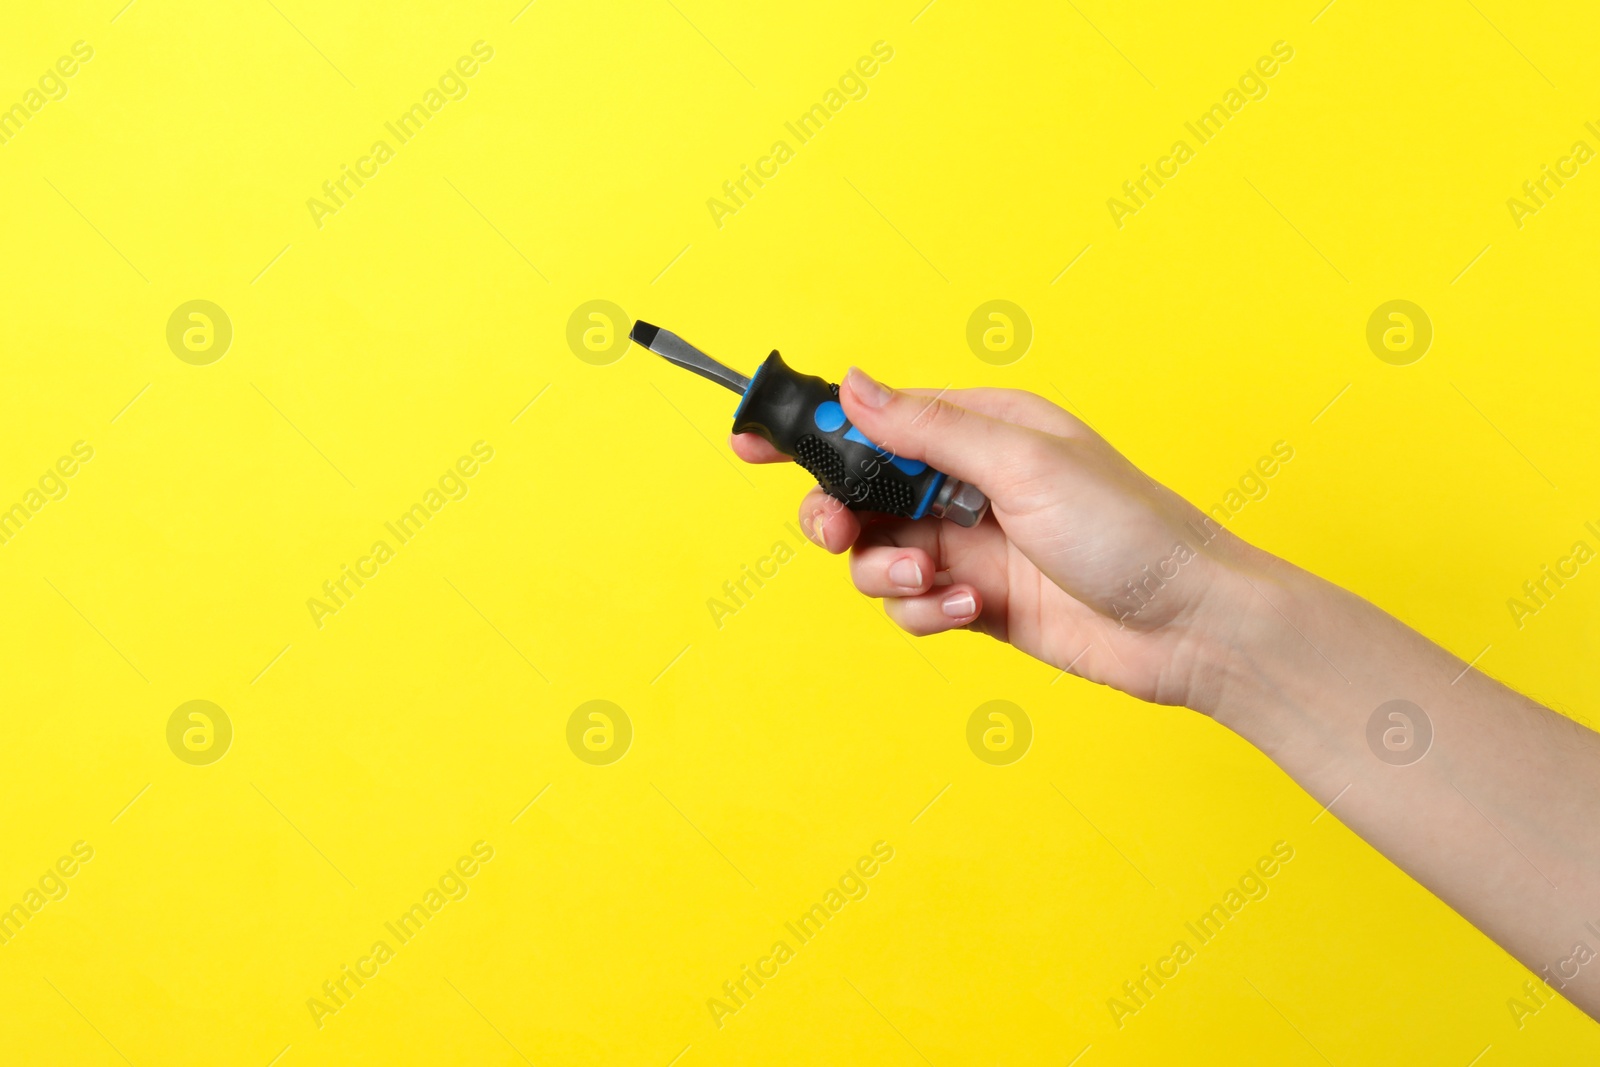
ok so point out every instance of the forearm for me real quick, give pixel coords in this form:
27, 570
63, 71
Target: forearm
1497, 814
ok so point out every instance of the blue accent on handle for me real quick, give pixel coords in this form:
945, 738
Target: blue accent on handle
829, 416
927, 498
911, 467
747, 391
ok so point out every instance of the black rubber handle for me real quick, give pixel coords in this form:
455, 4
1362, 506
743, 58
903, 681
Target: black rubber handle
801, 416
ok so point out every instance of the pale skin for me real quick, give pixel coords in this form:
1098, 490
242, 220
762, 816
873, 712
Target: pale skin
1500, 818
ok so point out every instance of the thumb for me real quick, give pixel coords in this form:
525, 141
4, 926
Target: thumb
961, 442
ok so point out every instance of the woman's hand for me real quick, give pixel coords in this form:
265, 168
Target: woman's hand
1086, 563
1083, 561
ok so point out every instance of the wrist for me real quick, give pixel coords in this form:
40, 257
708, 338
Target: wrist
1298, 658
1253, 652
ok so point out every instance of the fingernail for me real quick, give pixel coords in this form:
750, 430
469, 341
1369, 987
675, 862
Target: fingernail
871, 393
959, 605
819, 519
906, 574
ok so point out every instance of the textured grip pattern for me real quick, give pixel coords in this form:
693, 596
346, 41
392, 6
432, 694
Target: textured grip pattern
801, 417
822, 460
884, 490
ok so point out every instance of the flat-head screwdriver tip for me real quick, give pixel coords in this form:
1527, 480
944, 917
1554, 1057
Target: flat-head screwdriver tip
643, 333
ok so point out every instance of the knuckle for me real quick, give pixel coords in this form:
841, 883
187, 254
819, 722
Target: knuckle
935, 415
1035, 450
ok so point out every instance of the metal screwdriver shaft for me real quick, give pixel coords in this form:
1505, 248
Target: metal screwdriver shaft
674, 349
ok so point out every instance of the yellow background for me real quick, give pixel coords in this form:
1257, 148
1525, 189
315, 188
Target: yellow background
769, 753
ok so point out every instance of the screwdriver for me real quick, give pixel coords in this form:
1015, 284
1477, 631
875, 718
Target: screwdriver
800, 415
